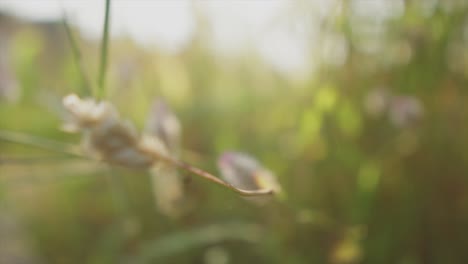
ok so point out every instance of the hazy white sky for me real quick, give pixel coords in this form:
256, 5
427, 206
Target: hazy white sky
169, 25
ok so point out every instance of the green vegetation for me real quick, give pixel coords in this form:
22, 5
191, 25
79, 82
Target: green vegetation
371, 149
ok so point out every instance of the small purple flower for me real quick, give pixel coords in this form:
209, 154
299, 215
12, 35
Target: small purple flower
402, 110
405, 110
244, 172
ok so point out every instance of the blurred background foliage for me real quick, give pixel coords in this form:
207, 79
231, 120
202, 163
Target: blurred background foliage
370, 146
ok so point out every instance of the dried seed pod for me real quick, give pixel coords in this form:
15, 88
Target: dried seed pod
244, 172
168, 184
168, 189
113, 140
107, 137
164, 124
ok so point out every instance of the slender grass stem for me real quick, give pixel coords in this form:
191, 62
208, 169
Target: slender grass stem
76, 53
39, 142
120, 198
104, 51
31, 160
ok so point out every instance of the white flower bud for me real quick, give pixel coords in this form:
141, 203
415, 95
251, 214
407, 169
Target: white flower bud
108, 137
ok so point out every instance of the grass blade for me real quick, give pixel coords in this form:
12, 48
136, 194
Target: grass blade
184, 240
76, 53
104, 51
39, 142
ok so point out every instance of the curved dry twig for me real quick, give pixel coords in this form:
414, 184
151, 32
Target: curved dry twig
56, 146
211, 177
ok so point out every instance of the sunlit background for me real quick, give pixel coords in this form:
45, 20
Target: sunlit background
358, 107
169, 26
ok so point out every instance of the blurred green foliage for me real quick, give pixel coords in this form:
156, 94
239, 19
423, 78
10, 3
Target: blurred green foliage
368, 179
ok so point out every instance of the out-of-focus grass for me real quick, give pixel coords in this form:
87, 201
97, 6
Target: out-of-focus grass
360, 187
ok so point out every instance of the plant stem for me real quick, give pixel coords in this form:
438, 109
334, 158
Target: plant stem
86, 85
119, 195
63, 148
104, 51
29, 160
39, 142
210, 177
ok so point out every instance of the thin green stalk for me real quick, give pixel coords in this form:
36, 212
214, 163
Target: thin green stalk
121, 202
76, 53
43, 143
104, 51
30, 160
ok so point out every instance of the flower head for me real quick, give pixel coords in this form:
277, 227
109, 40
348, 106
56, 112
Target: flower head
108, 137
244, 172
